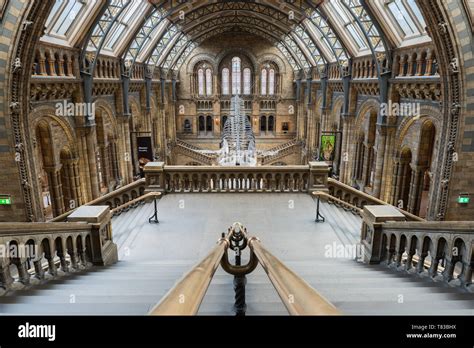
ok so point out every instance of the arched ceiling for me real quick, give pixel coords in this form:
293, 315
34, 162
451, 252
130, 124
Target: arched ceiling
309, 33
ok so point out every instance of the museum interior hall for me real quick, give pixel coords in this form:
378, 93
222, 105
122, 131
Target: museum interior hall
226, 157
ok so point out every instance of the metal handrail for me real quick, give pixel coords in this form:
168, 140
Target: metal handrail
329, 198
186, 296
296, 294
135, 201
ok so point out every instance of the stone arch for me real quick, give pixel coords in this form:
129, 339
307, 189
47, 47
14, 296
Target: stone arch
365, 107
200, 57
55, 163
273, 58
336, 111
365, 134
237, 51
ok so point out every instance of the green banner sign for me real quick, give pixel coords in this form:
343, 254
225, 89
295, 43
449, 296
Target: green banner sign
5, 200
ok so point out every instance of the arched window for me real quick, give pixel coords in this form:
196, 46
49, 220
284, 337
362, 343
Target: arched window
225, 81
209, 123
200, 82
271, 123
208, 82
236, 78
263, 89
263, 123
187, 126
247, 76
202, 124
223, 121
271, 82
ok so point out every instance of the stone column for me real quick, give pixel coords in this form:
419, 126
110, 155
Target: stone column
104, 157
42, 66
115, 163
366, 165
347, 153
50, 62
91, 143
416, 188
402, 66
70, 67
396, 181
54, 179
61, 67
410, 66
77, 182
127, 169
419, 66
379, 161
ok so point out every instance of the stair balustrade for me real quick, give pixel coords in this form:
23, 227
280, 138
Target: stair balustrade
34, 252
442, 250
113, 199
359, 199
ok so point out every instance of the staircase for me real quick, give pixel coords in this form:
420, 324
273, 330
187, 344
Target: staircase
281, 151
154, 256
193, 152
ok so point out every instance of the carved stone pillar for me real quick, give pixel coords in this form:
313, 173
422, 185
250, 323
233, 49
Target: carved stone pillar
396, 181
416, 188
61, 67
91, 142
52, 68
379, 161
366, 166
54, 178
70, 68
42, 67
410, 66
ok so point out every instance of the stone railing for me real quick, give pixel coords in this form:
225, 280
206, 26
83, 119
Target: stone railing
193, 152
442, 250
164, 178
32, 252
113, 199
360, 199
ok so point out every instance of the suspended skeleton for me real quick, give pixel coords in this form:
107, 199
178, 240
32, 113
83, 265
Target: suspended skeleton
238, 140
